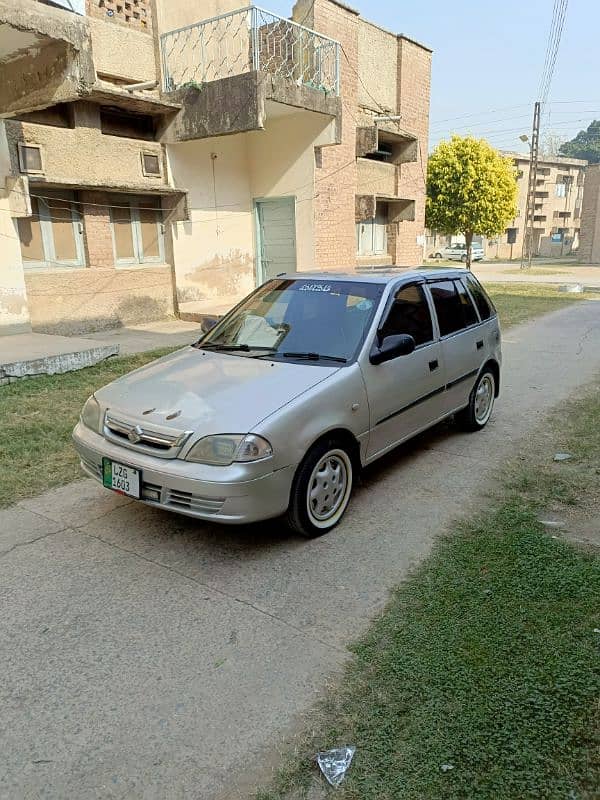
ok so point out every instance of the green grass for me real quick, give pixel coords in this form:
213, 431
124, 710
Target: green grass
522, 302
537, 271
486, 659
36, 420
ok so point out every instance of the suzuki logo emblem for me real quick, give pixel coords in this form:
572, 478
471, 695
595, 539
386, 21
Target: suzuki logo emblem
135, 434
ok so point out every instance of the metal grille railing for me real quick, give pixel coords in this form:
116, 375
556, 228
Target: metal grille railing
245, 40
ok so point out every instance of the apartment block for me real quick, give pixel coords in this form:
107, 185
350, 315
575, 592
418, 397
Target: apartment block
557, 209
159, 156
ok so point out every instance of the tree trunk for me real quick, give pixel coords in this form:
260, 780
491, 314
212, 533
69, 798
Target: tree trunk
469, 242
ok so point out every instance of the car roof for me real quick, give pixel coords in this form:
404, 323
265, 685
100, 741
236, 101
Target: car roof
376, 276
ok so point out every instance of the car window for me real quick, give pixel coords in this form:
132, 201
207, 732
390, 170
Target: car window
482, 301
448, 307
469, 313
328, 317
409, 314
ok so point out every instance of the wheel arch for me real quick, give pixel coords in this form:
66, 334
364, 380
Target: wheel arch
344, 436
495, 368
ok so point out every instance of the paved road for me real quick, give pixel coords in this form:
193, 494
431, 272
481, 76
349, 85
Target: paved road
144, 655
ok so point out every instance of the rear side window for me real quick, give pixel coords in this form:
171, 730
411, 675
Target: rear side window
448, 307
482, 301
409, 314
469, 314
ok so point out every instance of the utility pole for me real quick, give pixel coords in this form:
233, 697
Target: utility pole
530, 206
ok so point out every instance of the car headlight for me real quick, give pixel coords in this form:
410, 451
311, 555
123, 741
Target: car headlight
223, 449
90, 414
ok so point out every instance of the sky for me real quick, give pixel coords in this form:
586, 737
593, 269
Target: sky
488, 57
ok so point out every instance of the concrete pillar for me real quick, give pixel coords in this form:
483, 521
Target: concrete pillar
14, 313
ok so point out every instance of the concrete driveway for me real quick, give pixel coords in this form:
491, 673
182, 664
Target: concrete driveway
144, 655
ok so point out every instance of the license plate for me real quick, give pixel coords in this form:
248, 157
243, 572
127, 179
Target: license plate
121, 478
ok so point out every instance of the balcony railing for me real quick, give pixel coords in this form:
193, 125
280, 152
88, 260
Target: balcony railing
246, 40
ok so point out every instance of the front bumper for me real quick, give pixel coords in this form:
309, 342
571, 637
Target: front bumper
232, 500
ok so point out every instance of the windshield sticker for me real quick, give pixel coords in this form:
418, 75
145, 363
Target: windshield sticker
315, 287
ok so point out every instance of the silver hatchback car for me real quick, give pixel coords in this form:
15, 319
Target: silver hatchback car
280, 404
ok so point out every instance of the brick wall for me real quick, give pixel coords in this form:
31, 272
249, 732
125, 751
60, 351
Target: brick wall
589, 247
335, 174
414, 84
136, 14
98, 243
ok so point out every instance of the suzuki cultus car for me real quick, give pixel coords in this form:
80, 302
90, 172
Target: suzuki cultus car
279, 405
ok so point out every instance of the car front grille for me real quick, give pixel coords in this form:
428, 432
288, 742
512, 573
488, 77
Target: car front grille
165, 444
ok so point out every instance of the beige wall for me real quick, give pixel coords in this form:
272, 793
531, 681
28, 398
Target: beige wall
71, 301
14, 315
376, 176
84, 155
173, 14
377, 66
214, 252
122, 52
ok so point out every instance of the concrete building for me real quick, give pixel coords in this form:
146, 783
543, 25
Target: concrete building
589, 246
156, 157
557, 209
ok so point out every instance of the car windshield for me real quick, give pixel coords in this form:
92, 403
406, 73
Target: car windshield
299, 319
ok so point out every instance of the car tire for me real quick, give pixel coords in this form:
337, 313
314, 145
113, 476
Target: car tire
481, 403
438, 256
463, 258
321, 489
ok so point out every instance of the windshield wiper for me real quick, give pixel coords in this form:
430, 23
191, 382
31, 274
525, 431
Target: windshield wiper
244, 348
315, 357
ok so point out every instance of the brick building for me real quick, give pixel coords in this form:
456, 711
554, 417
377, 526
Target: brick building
589, 244
141, 173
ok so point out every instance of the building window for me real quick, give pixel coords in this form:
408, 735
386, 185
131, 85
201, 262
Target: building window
30, 158
371, 234
52, 236
560, 189
116, 122
151, 167
137, 229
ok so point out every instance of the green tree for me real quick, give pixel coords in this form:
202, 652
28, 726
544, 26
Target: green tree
471, 189
585, 145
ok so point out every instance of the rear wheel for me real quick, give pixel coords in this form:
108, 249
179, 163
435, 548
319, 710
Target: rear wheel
481, 403
438, 255
463, 258
321, 489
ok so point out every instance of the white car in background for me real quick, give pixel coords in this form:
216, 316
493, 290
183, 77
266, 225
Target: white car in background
458, 252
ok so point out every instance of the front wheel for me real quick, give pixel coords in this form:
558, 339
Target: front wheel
321, 489
438, 256
481, 403
463, 258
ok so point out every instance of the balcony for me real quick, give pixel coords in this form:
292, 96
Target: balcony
45, 57
224, 69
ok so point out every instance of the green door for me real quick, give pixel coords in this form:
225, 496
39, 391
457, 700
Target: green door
276, 236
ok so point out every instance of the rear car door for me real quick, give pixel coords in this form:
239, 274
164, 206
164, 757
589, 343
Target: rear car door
406, 393
462, 339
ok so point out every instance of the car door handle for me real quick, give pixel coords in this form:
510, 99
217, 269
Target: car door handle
433, 365
480, 344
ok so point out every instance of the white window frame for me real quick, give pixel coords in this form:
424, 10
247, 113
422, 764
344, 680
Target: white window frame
147, 174
22, 146
138, 259
560, 189
50, 261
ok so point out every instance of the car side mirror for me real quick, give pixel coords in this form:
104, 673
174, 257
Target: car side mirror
391, 347
208, 323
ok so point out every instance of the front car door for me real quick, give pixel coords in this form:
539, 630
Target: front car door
462, 339
406, 393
